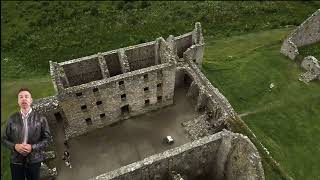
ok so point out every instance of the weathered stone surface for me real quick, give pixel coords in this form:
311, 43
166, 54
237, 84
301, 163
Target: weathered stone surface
312, 66
49, 155
46, 104
236, 155
307, 33
289, 49
175, 176
46, 172
198, 127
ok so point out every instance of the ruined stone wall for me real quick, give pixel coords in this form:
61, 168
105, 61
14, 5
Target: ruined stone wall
131, 85
82, 71
190, 45
104, 65
312, 66
112, 62
56, 77
183, 42
48, 106
206, 96
307, 33
224, 155
104, 88
209, 89
237, 158
142, 56
97, 104
310, 63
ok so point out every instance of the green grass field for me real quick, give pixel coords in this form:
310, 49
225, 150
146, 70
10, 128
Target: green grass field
242, 58
310, 50
33, 33
285, 119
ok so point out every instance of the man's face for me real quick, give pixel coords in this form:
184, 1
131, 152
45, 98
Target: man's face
24, 99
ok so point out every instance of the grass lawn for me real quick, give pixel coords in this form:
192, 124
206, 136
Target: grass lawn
34, 33
287, 119
310, 50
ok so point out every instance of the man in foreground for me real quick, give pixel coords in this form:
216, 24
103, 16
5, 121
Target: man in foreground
27, 134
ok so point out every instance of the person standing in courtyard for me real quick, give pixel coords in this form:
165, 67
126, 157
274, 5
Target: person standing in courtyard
66, 158
27, 134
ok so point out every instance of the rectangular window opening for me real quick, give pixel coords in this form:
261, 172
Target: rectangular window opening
79, 94
121, 83
83, 107
159, 85
103, 115
58, 117
98, 103
89, 121
145, 77
123, 97
125, 109
159, 98
95, 89
147, 102
146, 89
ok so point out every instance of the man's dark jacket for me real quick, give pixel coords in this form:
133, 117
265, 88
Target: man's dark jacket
38, 136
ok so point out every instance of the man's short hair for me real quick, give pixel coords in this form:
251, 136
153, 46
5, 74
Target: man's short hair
23, 89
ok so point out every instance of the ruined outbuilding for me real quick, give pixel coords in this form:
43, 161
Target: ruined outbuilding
312, 66
307, 33
104, 89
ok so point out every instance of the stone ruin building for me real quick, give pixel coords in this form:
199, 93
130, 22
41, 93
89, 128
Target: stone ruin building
107, 88
310, 63
307, 33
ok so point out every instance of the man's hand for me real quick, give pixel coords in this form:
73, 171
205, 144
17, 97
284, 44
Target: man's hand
27, 148
23, 148
19, 148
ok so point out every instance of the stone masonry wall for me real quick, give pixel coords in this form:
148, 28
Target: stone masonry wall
311, 63
207, 96
104, 65
140, 91
224, 155
183, 42
307, 33
312, 66
99, 95
190, 45
83, 72
48, 106
141, 57
113, 63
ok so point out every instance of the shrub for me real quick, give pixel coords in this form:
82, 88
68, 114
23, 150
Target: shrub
145, 4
